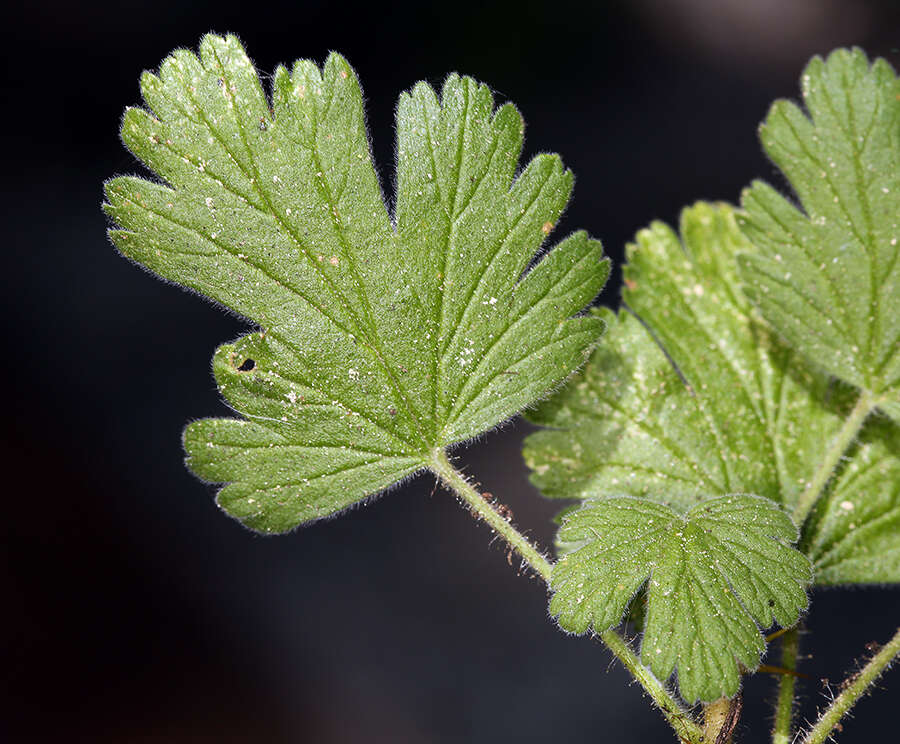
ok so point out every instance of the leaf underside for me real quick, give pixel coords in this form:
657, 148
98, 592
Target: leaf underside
826, 273
383, 336
679, 410
696, 399
742, 413
714, 573
854, 534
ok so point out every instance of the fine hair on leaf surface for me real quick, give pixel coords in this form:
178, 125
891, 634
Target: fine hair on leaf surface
382, 337
714, 573
741, 414
735, 418
826, 273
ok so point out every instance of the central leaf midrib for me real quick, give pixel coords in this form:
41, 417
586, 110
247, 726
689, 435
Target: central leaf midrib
476, 287
775, 429
448, 239
700, 588
467, 304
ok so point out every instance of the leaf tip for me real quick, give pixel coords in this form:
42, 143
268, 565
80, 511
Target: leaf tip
337, 67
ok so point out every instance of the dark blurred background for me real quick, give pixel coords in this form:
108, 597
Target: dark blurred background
134, 610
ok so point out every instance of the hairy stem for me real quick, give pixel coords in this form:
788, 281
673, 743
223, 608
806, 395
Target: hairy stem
685, 728
842, 440
481, 507
854, 687
784, 707
679, 719
719, 719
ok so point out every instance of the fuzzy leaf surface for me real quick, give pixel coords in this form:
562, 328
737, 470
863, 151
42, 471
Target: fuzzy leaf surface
826, 273
690, 404
714, 574
854, 535
382, 336
714, 404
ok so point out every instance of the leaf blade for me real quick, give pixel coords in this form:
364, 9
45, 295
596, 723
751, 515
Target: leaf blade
679, 410
377, 340
706, 404
828, 277
703, 614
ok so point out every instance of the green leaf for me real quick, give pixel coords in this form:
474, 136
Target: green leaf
683, 408
713, 574
383, 336
854, 537
826, 273
714, 404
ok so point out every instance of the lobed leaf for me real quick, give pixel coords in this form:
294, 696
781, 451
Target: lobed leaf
684, 406
694, 400
826, 272
713, 575
383, 336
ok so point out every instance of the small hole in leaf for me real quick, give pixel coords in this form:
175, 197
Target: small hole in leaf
771, 603
247, 365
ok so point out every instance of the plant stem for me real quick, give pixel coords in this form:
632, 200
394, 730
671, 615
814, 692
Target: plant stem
679, 719
720, 718
685, 728
481, 507
842, 440
854, 687
784, 707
